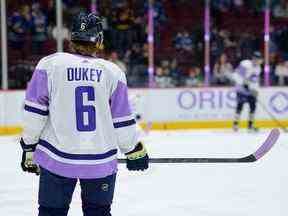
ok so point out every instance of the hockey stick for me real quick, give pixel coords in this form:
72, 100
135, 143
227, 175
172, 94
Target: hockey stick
273, 117
261, 151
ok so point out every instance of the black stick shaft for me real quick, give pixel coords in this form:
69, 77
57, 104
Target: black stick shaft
261, 151
247, 159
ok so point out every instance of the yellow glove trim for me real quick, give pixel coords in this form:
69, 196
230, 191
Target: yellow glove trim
138, 154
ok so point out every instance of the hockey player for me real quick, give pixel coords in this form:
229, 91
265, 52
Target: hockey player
76, 115
247, 78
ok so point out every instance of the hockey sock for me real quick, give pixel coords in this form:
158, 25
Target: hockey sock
251, 120
236, 119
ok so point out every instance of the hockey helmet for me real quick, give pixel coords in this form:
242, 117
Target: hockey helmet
87, 28
257, 55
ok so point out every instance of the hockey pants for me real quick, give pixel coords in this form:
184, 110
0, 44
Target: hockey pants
55, 194
242, 99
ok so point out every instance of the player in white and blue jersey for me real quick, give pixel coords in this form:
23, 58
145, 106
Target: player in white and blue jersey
247, 79
76, 117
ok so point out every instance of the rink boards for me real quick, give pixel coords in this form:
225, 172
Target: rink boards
186, 108
176, 108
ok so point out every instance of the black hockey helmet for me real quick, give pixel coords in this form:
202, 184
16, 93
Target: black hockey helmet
87, 28
257, 55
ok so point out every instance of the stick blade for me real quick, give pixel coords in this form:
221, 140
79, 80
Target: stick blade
268, 144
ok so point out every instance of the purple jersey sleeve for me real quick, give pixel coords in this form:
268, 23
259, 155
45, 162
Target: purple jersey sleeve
37, 90
36, 106
119, 101
123, 119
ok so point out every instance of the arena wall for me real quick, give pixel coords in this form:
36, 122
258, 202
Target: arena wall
179, 108
206, 107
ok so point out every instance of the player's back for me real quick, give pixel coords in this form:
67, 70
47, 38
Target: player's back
248, 73
79, 103
89, 114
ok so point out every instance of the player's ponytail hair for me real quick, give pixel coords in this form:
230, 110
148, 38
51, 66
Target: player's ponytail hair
85, 48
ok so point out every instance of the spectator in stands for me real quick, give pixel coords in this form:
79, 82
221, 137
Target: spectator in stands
136, 55
123, 21
258, 6
49, 7
281, 9
238, 6
137, 59
162, 79
281, 71
194, 78
228, 41
19, 26
159, 13
273, 46
248, 43
20, 74
217, 43
118, 3
39, 29
114, 57
183, 41
175, 72
159, 20
68, 3
162, 75
222, 71
139, 29
222, 5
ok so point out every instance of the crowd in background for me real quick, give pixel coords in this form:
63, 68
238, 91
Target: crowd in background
236, 32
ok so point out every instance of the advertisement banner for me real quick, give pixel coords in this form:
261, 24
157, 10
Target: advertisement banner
205, 104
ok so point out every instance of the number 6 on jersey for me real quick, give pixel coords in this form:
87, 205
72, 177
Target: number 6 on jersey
81, 109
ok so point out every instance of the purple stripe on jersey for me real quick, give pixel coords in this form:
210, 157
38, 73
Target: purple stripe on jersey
77, 156
119, 101
74, 170
37, 90
36, 110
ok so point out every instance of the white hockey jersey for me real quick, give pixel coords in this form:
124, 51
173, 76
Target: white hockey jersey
77, 110
249, 74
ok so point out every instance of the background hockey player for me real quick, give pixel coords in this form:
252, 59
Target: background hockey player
247, 79
76, 115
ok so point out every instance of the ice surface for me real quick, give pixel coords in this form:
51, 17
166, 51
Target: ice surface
188, 189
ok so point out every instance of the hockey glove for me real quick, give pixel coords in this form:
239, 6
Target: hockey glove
137, 159
27, 163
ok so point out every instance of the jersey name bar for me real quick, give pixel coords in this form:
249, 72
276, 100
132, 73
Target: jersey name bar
83, 74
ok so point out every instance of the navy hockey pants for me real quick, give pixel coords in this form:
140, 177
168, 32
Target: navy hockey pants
55, 195
242, 99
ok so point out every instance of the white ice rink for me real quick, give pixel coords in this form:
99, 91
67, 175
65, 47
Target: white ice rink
257, 189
